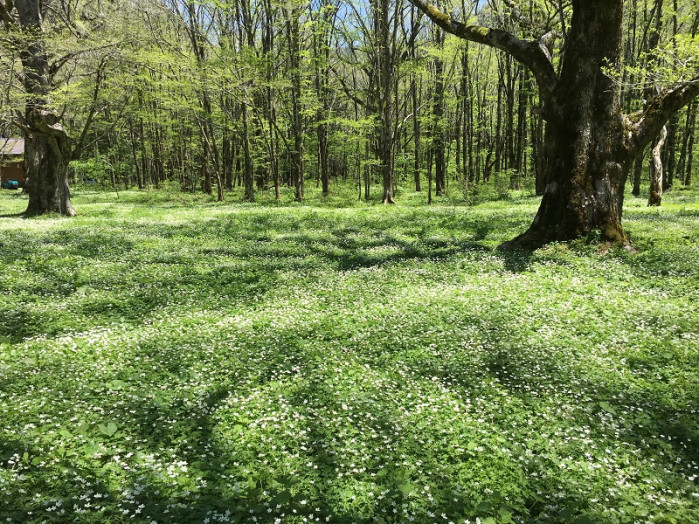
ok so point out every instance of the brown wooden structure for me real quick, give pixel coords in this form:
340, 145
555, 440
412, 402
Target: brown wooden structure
12, 160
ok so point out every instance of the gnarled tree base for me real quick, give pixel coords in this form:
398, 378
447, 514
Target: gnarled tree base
62, 208
533, 239
537, 236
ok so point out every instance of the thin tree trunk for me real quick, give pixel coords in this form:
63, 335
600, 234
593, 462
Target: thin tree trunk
656, 171
438, 116
297, 167
690, 147
416, 133
248, 177
637, 172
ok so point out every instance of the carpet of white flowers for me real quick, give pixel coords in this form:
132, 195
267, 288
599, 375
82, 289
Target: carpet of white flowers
176, 360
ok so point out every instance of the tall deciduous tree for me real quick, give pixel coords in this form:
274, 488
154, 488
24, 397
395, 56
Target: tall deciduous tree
49, 147
591, 143
386, 54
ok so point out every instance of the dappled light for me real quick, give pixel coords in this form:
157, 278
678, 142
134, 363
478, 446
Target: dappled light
177, 362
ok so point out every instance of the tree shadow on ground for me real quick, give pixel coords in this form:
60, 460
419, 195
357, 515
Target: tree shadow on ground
20, 214
516, 261
194, 411
639, 419
184, 424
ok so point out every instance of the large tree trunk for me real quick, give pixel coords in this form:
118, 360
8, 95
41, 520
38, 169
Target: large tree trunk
587, 160
48, 148
47, 153
386, 65
590, 143
322, 45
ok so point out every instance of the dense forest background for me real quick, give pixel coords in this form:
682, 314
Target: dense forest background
167, 357
258, 95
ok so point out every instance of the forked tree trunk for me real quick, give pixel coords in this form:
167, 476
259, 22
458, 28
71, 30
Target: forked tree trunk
590, 143
587, 160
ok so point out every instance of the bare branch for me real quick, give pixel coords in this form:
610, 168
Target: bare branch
348, 91
55, 66
5, 13
99, 77
646, 125
531, 53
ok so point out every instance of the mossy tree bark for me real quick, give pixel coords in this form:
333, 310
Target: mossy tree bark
47, 152
590, 143
48, 147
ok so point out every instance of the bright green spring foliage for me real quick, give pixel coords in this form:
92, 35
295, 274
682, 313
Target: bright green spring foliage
167, 359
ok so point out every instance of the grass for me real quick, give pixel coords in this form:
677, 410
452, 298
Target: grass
164, 358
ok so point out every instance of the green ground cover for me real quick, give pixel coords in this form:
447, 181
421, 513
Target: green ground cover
165, 358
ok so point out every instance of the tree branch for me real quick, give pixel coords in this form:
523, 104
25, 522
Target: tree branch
646, 125
348, 92
531, 53
5, 13
56, 65
112, 125
99, 77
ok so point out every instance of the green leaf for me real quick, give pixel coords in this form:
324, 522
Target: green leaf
116, 384
406, 488
505, 515
108, 429
282, 497
607, 407
471, 446
489, 520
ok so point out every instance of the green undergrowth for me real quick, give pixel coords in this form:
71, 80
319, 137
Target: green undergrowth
166, 358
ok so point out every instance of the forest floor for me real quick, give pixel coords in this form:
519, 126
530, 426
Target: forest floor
164, 358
